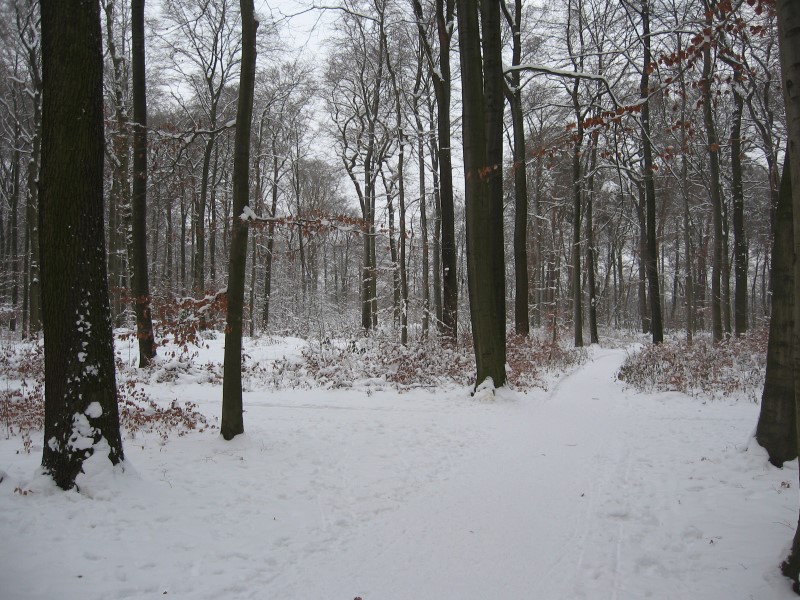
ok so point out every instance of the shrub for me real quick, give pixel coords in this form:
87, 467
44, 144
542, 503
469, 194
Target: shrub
732, 367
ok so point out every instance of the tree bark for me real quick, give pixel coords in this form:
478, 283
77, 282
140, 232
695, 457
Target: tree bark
441, 77
140, 285
776, 430
232, 419
715, 189
482, 82
651, 246
788, 18
81, 415
591, 251
740, 246
519, 169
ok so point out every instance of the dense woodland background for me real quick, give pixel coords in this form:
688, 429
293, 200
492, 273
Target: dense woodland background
350, 139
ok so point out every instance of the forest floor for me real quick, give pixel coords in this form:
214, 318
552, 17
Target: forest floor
585, 490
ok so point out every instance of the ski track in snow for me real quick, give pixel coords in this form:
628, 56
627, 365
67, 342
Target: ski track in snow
588, 491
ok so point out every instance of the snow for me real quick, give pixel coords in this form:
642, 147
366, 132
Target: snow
94, 410
587, 490
248, 214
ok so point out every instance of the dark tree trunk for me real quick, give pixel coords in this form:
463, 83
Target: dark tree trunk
140, 285
14, 226
232, 421
81, 415
423, 203
687, 234
199, 274
577, 292
514, 95
449, 323
788, 18
441, 77
591, 251
483, 161
776, 430
651, 246
644, 312
33, 289
740, 246
270, 257
715, 188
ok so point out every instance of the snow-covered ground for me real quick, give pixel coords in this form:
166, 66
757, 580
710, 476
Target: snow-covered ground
586, 490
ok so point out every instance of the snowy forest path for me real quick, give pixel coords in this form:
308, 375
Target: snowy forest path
588, 491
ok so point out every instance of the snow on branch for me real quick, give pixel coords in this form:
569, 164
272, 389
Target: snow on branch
569, 74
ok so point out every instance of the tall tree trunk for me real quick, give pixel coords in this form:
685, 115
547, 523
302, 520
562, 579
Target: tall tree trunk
644, 311
270, 254
441, 78
14, 224
423, 203
514, 96
776, 430
140, 285
81, 415
687, 233
199, 258
483, 154
444, 22
651, 247
788, 18
715, 188
740, 246
591, 251
32, 215
232, 421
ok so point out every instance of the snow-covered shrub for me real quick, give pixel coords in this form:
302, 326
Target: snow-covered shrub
22, 400
380, 361
733, 367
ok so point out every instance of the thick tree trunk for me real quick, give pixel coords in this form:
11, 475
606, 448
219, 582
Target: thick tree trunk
788, 18
483, 152
81, 415
140, 285
232, 422
776, 430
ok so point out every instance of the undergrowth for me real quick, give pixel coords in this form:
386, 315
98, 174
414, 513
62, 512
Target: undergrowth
733, 367
22, 401
379, 361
